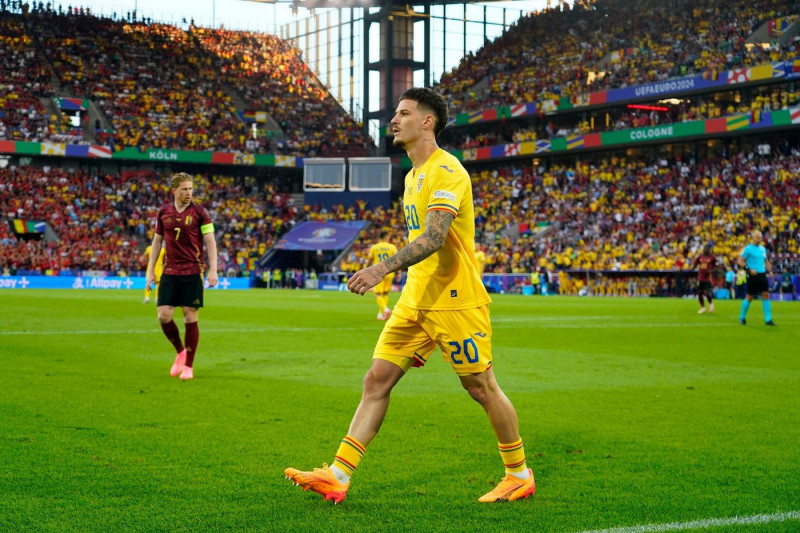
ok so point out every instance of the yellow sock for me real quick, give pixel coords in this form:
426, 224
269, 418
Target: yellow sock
348, 455
513, 455
379, 301
147, 292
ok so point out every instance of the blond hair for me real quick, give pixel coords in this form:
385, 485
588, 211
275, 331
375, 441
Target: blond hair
176, 180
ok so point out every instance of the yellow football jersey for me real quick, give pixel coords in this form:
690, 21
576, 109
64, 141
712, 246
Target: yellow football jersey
160, 259
381, 251
480, 259
449, 278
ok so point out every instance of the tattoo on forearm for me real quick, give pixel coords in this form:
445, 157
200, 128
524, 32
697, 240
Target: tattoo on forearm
437, 224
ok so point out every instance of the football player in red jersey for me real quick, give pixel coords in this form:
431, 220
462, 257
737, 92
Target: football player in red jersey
705, 263
183, 228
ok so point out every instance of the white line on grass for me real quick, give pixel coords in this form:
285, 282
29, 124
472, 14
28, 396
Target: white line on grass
704, 523
582, 318
570, 324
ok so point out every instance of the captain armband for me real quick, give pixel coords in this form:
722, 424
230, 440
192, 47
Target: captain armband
207, 228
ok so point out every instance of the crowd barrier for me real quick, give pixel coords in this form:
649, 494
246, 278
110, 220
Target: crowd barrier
521, 283
495, 283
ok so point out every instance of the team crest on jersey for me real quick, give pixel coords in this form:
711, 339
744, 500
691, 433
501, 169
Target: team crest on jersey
188, 220
420, 182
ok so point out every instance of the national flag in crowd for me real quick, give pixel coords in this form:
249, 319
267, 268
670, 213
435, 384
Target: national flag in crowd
99, 151
519, 110
574, 141
739, 75
48, 148
511, 150
284, 161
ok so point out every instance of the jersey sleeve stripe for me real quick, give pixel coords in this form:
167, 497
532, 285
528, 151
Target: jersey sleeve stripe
443, 207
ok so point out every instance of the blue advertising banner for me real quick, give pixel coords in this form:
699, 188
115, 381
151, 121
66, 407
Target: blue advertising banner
663, 88
312, 236
98, 282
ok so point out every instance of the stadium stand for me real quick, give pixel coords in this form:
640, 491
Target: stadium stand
624, 118
24, 82
160, 86
272, 76
149, 81
559, 53
618, 215
103, 221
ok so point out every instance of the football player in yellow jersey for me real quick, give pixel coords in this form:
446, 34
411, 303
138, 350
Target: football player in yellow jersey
159, 268
444, 303
480, 259
381, 251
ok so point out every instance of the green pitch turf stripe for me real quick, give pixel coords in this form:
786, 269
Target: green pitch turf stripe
205, 330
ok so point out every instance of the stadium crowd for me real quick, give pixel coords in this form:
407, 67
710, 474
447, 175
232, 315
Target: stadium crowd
597, 45
24, 81
617, 215
636, 215
160, 86
271, 75
490, 134
611, 215
146, 78
103, 221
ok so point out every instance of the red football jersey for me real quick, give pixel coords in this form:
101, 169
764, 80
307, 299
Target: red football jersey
183, 239
705, 265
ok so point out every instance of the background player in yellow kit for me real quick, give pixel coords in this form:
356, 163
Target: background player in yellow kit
381, 251
480, 259
159, 269
443, 303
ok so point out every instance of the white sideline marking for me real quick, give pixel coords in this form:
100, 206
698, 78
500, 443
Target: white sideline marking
705, 523
638, 325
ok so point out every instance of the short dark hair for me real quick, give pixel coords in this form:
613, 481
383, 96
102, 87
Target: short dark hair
432, 101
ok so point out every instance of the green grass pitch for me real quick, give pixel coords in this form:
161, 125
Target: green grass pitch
633, 412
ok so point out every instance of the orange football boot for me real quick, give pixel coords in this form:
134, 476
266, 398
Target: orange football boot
321, 480
511, 488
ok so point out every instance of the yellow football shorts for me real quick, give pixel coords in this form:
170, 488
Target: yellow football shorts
464, 337
157, 271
